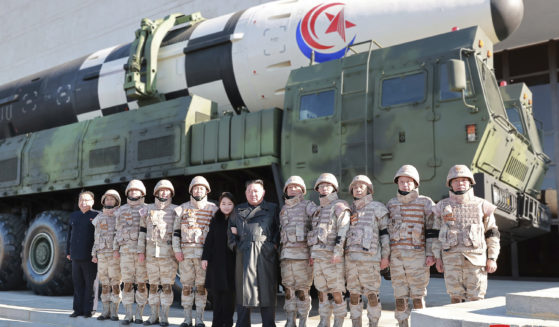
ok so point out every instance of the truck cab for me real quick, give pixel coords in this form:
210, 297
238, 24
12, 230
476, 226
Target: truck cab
372, 112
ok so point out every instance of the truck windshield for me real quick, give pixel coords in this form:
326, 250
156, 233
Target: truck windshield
316, 105
492, 93
515, 119
404, 89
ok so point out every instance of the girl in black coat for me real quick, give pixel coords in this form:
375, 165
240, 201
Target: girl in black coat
219, 262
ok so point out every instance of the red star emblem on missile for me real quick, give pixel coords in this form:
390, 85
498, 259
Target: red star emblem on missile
338, 23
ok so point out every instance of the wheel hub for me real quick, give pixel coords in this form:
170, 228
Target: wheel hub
41, 253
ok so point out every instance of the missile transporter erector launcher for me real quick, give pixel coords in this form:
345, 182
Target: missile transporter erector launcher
432, 103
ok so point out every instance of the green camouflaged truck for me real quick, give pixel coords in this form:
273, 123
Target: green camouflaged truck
431, 103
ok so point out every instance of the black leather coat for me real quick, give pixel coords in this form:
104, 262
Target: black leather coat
256, 246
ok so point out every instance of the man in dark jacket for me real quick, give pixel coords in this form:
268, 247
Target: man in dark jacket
81, 236
254, 234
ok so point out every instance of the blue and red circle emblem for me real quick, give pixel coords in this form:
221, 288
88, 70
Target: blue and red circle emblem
310, 38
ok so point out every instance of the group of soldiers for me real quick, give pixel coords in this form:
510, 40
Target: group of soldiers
344, 247
337, 246
141, 244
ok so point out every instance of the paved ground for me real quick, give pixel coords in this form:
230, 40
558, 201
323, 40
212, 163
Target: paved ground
23, 308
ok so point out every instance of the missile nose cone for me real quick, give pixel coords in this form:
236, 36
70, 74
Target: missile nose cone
506, 16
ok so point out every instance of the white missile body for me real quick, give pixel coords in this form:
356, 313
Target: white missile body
241, 59
272, 39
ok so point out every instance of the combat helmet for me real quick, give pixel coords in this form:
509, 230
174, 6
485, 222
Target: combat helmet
297, 180
407, 171
459, 171
362, 179
112, 193
199, 180
326, 178
136, 184
164, 183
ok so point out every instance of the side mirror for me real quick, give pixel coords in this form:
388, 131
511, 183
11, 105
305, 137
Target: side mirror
456, 75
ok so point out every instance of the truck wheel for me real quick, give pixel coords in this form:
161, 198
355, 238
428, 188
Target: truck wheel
177, 289
12, 229
44, 263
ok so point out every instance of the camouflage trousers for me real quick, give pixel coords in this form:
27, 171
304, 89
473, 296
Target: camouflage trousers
161, 271
132, 272
296, 276
330, 278
192, 275
108, 272
410, 277
363, 278
463, 280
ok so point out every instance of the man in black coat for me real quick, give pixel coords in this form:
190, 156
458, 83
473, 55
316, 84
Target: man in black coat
78, 249
254, 234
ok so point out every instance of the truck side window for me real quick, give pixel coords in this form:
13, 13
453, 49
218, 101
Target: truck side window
317, 105
444, 89
515, 118
403, 89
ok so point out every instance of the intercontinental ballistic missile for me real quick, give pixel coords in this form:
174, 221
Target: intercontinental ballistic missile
242, 59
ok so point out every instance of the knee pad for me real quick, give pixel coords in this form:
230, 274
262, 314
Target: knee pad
153, 288
141, 287
186, 290
373, 299
401, 304
167, 288
200, 290
322, 297
106, 289
417, 303
455, 300
128, 287
337, 297
354, 298
300, 294
116, 289
288, 294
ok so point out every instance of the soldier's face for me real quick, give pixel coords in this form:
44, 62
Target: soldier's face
226, 206
359, 190
460, 184
199, 190
85, 202
325, 188
164, 193
134, 193
294, 190
254, 194
110, 201
406, 184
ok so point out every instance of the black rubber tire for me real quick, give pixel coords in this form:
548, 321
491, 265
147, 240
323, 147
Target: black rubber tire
12, 229
43, 259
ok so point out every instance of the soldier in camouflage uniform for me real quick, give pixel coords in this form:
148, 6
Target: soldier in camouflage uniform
296, 271
330, 224
155, 247
468, 243
125, 247
367, 250
108, 267
411, 236
190, 229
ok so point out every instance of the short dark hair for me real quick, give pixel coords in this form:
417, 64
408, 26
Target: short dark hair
228, 195
254, 181
83, 192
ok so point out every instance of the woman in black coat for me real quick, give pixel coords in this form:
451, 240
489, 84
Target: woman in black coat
219, 262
